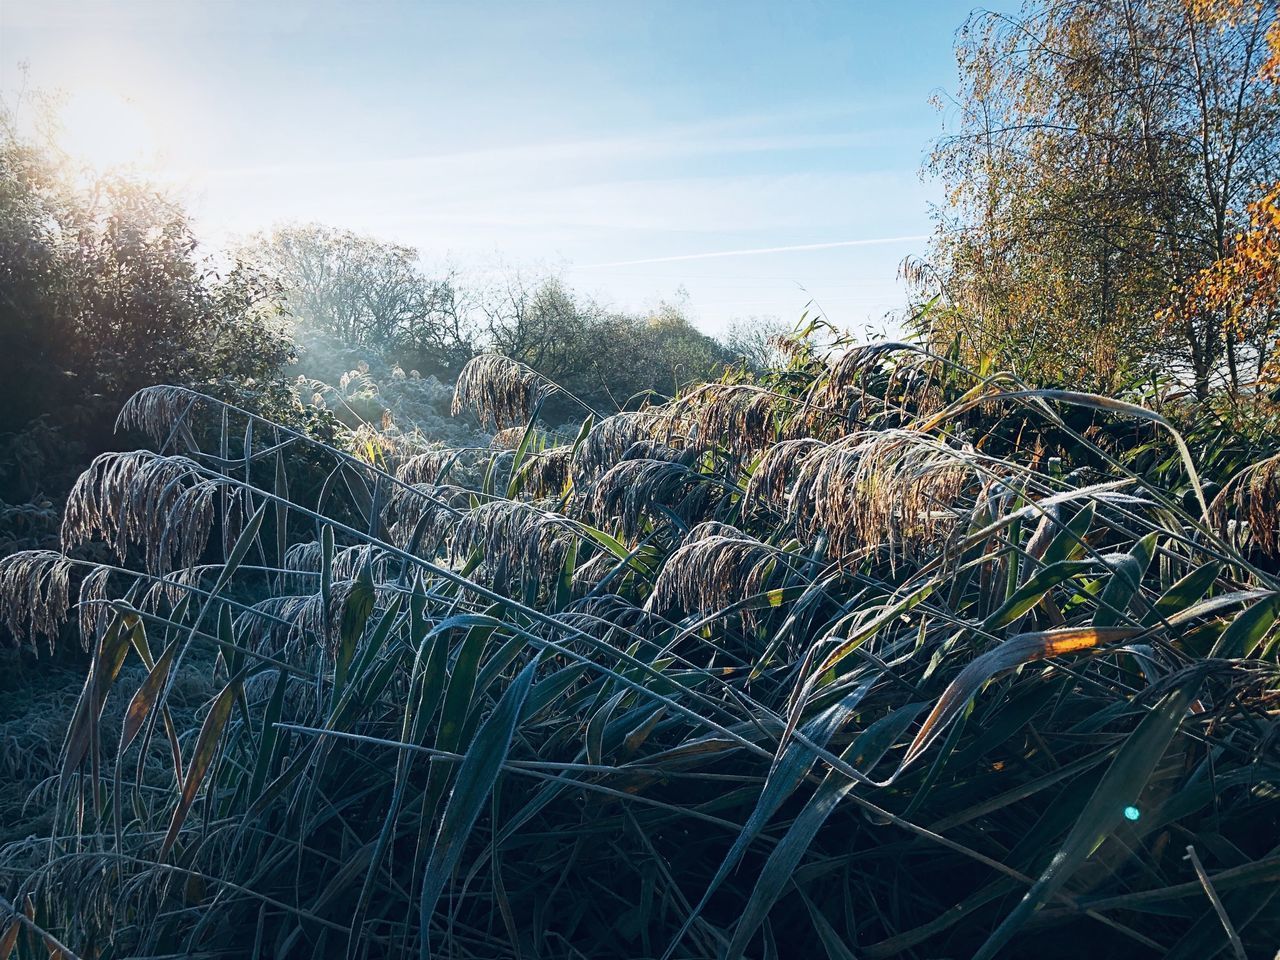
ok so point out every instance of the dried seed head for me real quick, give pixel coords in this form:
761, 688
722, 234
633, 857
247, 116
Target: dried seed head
159, 411
281, 624
842, 388
166, 591
894, 488
302, 561
186, 530
160, 503
546, 474
291, 625
35, 595
522, 547
428, 467
714, 568
607, 441
809, 421
93, 609
777, 468
657, 450
376, 446
714, 528
441, 505
740, 417
632, 491
507, 439
350, 562
498, 390
1246, 509
588, 576
904, 385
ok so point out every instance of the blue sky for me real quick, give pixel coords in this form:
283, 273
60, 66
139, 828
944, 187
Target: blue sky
583, 136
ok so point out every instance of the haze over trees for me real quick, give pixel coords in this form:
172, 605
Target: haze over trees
349, 293
105, 288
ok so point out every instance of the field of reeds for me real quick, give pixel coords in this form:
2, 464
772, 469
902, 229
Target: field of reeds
870, 657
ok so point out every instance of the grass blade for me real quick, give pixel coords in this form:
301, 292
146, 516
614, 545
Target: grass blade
201, 758
1119, 789
476, 777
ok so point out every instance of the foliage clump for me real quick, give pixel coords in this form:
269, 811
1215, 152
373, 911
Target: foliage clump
687, 703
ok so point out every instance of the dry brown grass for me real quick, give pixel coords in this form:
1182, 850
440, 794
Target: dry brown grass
1247, 509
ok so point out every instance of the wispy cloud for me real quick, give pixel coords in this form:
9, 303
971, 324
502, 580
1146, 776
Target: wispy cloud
866, 242
742, 136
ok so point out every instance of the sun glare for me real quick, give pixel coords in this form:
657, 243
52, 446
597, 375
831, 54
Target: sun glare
104, 130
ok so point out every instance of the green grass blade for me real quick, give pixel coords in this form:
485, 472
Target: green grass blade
201, 758
1118, 790
864, 753
476, 777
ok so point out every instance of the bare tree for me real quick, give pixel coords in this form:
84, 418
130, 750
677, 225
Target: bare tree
367, 293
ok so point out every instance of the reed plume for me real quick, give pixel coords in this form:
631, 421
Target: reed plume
160, 412
302, 563
610, 438
498, 390
879, 384
1247, 508
633, 491
426, 467
437, 507
715, 567
348, 562
507, 439
93, 606
895, 489
776, 469
547, 473
160, 503
740, 417
519, 543
35, 595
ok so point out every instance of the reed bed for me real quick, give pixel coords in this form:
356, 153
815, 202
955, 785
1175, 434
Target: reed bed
876, 658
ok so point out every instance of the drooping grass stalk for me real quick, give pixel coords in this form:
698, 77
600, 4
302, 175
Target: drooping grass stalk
735, 665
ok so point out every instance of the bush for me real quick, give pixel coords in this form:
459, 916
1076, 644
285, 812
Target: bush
102, 292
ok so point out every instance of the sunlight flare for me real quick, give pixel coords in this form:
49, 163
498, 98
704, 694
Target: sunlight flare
105, 130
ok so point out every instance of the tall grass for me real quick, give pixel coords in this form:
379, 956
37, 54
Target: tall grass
874, 657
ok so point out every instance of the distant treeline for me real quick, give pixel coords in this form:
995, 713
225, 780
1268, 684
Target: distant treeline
351, 296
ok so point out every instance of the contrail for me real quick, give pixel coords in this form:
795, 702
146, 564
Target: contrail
874, 241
